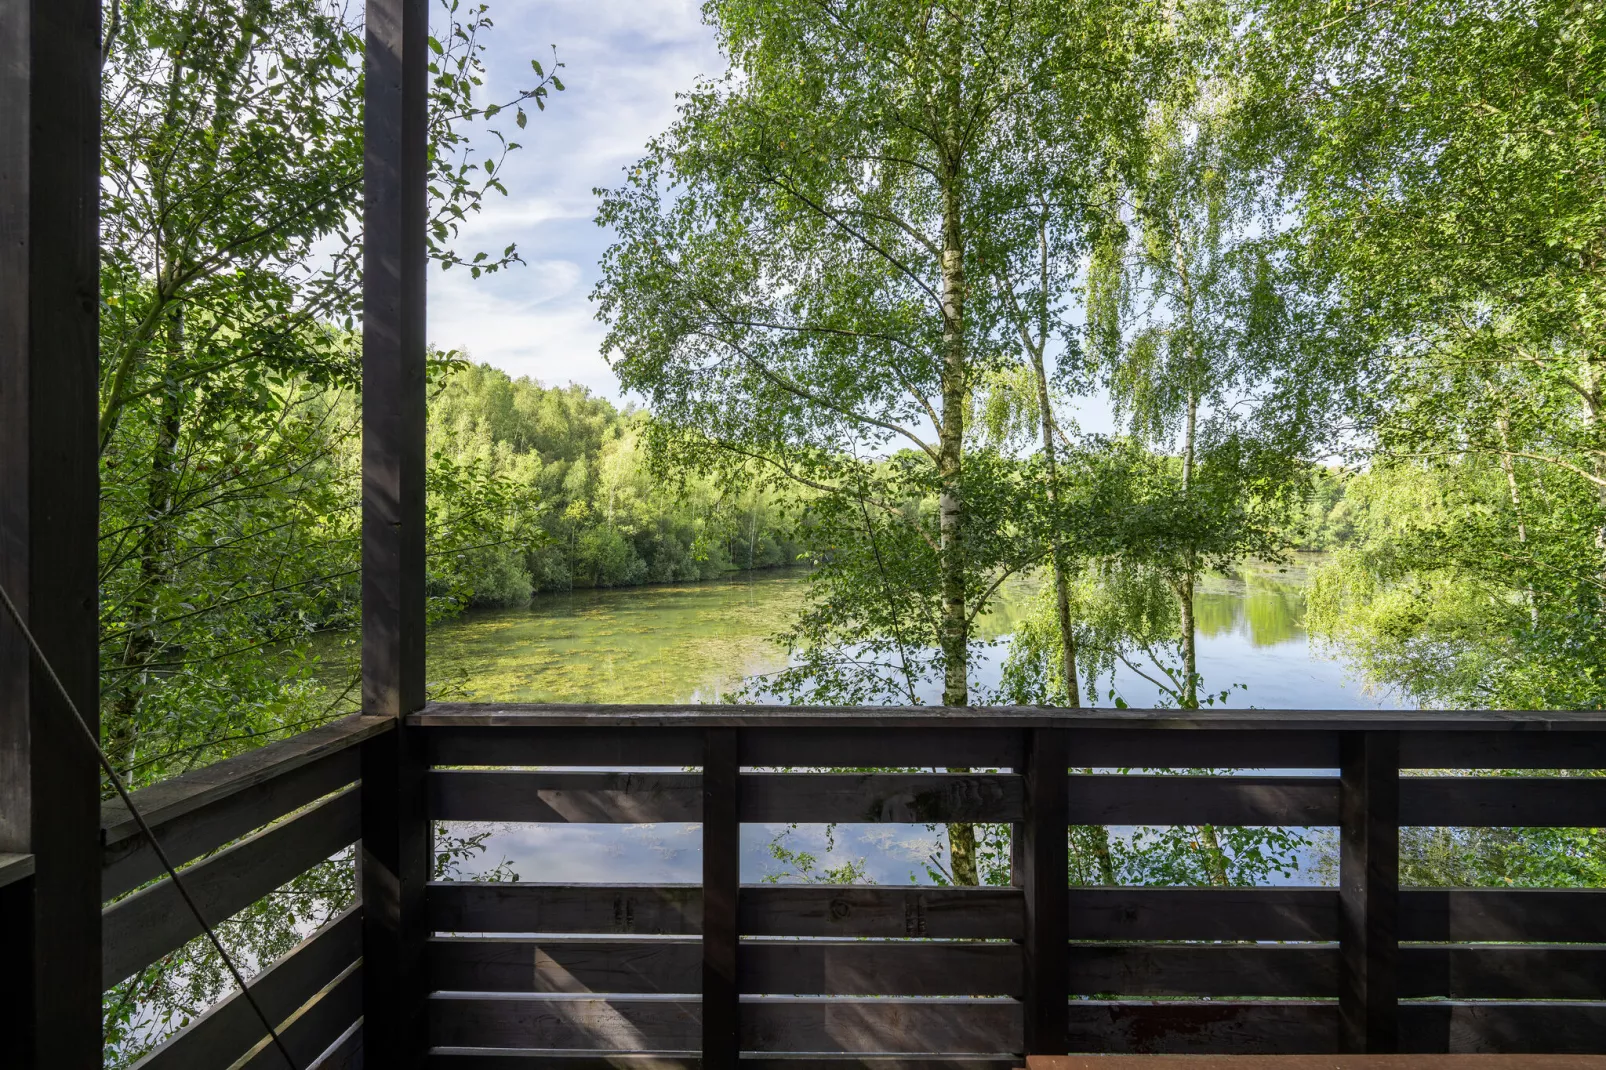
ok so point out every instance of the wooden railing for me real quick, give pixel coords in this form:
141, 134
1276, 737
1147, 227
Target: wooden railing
542, 973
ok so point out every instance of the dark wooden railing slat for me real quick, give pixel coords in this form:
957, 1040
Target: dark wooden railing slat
1368, 893
1045, 893
721, 1016
316, 1025
145, 926
230, 1028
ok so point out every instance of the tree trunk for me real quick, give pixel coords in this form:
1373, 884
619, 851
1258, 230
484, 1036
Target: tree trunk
1509, 466
1189, 698
1062, 593
955, 626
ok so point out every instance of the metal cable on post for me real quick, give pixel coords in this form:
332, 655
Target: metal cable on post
145, 829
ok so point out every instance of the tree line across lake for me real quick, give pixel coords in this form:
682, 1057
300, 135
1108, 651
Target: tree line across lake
865, 282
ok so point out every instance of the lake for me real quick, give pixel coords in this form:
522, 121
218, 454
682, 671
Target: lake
699, 642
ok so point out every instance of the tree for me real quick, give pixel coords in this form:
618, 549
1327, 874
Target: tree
1447, 162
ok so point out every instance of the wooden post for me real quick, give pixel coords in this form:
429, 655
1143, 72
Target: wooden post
1043, 874
1369, 892
49, 353
721, 886
395, 833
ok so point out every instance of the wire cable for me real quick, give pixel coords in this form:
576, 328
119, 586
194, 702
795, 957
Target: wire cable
139, 819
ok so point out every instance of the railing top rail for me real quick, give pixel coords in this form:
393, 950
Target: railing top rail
14, 867
543, 715
170, 799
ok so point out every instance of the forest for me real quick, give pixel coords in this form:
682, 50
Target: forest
1335, 272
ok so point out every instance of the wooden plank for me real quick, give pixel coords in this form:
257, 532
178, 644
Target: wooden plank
1490, 1027
1186, 1026
1114, 799
931, 747
1204, 914
230, 1028
315, 1027
395, 857
1427, 749
580, 1023
632, 965
1369, 893
668, 748
1045, 895
623, 715
1503, 971
15, 867
345, 1053
1417, 1061
877, 910
153, 921
722, 874
871, 797
879, 967
647, 909
1216, 970
881, 1025
487, 795
1226, 748
487, 1059
1503, 801
1504, 914
49, 496
630, 798
191, 827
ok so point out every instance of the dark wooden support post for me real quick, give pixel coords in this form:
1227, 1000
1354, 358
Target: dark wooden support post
721, 886
395, 830
1369, 892
1043, 873
49, 353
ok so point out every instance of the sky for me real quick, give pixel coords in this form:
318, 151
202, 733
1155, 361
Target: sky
625, 61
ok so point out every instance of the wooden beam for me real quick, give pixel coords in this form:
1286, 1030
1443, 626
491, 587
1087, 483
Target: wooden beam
395, 857
49, 301
1045, 886
721, 889
1369, 892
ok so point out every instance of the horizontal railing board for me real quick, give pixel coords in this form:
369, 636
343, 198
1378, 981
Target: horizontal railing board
490, 907
629, 798
1189, 748
1429, 749
564, 745
674, 966
619, 1023
880, 1024
1282, 913
230, 1028
879, 747
633, 965
546, 796
876, 967
1233, 970
879, 910
1095, 799
140, 929
1498, 1027
1503, 972
888, 797
1528, 915
315, 1027
767, 1024
752, 715
163, 803
129, 862
1503, 801
1283, 1027
1115, 799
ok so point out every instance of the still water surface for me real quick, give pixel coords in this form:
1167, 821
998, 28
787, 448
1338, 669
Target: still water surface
699, 642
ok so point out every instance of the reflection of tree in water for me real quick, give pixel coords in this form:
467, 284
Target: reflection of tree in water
1268, 610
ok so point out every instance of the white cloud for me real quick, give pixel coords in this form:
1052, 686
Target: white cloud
625, 61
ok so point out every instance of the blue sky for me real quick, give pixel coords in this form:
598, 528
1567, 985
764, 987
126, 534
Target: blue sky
626, 60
